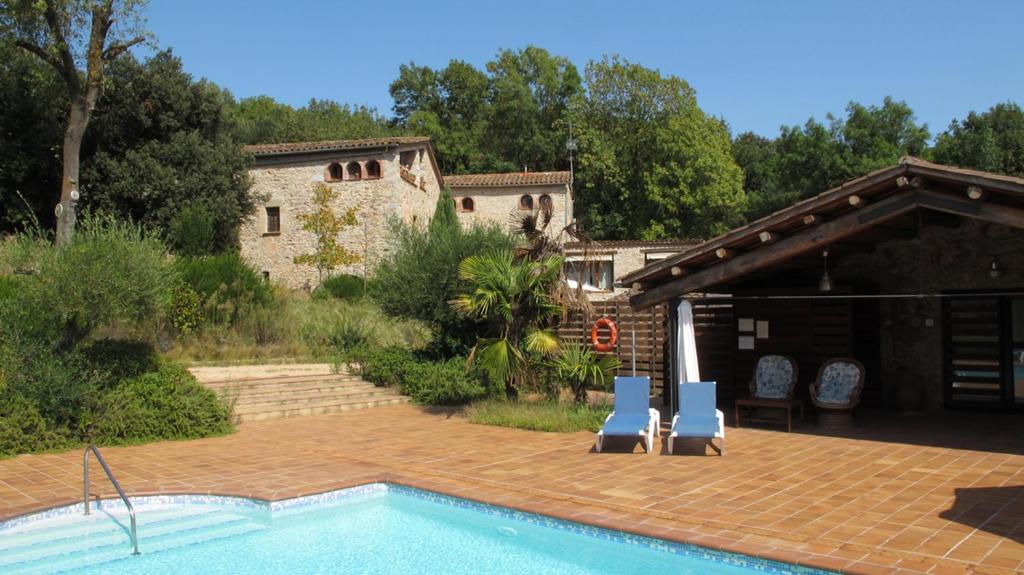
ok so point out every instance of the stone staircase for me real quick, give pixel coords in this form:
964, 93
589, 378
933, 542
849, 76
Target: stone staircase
276, 392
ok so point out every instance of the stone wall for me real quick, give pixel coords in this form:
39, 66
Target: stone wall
501, 204
290, 187
941, 259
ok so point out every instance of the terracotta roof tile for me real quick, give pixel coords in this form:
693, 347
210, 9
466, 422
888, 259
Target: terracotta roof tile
507, 179
598, 244
331, 145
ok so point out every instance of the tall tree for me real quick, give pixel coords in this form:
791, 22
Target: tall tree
992, 141
31, 124
809, 159
67, 35
652, 164
500, 119
160, 142
530, 94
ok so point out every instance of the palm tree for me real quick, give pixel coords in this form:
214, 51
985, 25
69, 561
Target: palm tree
515, 296
539, 243
580, 366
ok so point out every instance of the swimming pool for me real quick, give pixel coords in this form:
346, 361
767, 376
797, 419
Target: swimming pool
376, 528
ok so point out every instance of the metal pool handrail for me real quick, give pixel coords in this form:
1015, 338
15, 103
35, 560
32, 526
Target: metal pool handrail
115, 483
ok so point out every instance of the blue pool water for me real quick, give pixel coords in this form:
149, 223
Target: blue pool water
376, 529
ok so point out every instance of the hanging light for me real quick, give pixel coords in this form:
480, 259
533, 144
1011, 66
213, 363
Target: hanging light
994, 269
826, 282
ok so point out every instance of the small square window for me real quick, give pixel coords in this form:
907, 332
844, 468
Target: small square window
274, 220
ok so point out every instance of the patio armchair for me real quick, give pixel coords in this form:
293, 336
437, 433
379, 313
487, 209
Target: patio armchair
838, 386
774, 377
771, 388
698, 416
633, 415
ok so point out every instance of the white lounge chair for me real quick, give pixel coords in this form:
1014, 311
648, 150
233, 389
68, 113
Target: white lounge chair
633, 415
698, 416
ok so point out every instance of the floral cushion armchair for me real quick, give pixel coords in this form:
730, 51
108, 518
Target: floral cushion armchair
840, 381
774, 377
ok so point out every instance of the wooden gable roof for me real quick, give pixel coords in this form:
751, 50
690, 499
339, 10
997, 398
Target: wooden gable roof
831, 216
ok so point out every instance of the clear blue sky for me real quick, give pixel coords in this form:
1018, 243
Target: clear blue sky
759, 64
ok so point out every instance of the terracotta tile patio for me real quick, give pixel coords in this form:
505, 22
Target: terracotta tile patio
899, 495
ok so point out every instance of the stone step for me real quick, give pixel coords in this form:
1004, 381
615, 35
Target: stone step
284, 390
264, 412
311, 396
280, 380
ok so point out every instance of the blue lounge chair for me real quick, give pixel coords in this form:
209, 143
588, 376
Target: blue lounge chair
633, 415
697, 415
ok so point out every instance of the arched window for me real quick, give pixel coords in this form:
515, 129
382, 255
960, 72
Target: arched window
467, 204
526, 202
545, 202
354, 171
334, 172
372, 169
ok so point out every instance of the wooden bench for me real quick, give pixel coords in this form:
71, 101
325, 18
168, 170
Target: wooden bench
786, 404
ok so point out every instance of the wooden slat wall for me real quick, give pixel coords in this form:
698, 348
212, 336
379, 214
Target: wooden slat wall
651, 329
810, 331
714, 325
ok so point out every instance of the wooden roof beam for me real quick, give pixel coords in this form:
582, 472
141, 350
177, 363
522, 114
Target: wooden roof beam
784, 249
767, 237
979, 210
975, 193
814, 219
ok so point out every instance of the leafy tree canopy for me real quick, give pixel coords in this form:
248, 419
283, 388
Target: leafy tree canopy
809, 159
992, 141
652, 164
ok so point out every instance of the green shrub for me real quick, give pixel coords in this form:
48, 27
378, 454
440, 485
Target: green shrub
23, 428
120, 358
226, 283
427, 382
109, 272
443, 383
186, 313
421, 275
193, 231
341, 286
63, 387
165, 404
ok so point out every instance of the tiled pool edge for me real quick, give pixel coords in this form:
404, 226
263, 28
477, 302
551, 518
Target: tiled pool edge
375, 489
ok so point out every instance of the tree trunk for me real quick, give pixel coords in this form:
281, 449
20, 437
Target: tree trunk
78, 119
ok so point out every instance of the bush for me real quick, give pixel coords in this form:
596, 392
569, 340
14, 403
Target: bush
23, 428
120, 358
443, 383
226, 283
186, 313
342, 286
421, 276
166, 404
427, 382
193, 231
109, 272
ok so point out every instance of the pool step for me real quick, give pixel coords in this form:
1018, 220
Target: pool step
97, 540
281, 396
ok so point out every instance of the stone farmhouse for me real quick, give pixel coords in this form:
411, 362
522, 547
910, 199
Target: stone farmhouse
382, 179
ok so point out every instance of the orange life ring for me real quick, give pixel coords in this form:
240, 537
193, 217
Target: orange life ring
604, 346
